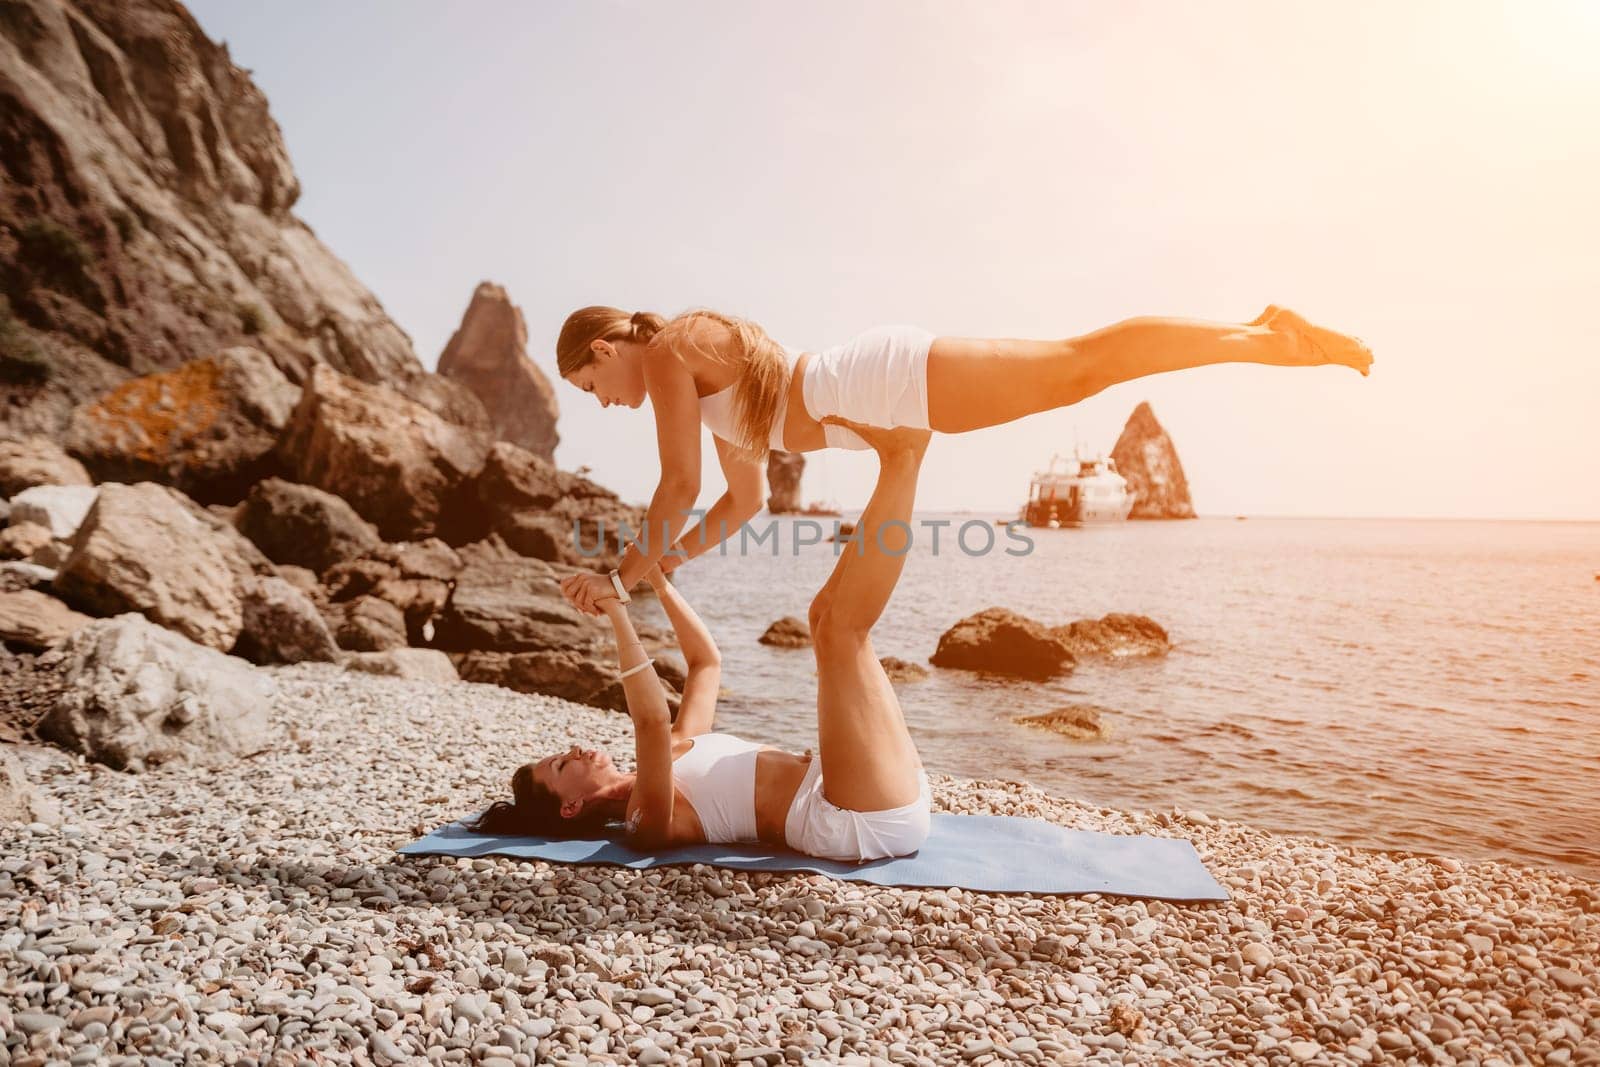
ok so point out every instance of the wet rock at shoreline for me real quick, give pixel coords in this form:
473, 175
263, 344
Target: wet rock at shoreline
37, 460
488, 354
303, 525
396, 463
133, 695
207, 428
902, 670
1147, 458
1000, 641
1080, 722
140, 549
787, 632
1115, 635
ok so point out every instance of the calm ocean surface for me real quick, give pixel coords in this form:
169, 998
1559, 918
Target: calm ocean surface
1410, 684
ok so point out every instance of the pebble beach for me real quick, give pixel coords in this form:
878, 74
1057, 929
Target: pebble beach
258, 913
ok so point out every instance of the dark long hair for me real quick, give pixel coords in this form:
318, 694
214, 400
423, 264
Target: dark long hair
535, 811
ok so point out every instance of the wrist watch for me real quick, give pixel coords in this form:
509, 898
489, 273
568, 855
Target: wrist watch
616, 583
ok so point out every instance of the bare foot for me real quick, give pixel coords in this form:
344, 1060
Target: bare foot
1315, 346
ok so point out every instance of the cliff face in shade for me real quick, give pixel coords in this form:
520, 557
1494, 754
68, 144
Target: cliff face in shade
489, 355
145, 196
1146, 457
783, 481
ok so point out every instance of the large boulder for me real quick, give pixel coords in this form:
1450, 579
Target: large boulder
133, 695
564, 672
304, 526
59, 508
143, 548
512, 604
1146, 457
783, 481
397, 463
367, 624
449, 399
547, 513
207, 427
414, 576
32, 621
1000, 641
1116, 635
489, 355
281, 625
35, 460
147, 195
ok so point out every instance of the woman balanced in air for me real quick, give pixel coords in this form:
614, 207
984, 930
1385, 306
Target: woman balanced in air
757, 395
864, 796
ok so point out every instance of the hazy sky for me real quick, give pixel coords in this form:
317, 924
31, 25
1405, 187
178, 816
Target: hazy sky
1420, 174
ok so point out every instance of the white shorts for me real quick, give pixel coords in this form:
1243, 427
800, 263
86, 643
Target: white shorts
879, 377
817, 827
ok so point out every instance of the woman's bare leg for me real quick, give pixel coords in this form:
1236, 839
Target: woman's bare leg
869, 761
976, 382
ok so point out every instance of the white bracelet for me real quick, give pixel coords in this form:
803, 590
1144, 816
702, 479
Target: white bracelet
637, 667
616, 583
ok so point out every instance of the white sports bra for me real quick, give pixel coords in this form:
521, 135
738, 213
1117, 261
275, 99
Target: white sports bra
718, 776
716, 410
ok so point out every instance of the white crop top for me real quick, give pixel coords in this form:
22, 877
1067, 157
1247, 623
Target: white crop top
716, 410
718, 776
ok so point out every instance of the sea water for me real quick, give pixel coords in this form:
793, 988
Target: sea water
1425, 685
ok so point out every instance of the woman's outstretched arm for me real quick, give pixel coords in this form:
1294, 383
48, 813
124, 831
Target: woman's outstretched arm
649, 815
697, 710
744, 498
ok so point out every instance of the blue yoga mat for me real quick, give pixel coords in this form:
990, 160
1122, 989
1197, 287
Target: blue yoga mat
992, 853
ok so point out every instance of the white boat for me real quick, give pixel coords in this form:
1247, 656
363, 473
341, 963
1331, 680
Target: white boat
1077, 491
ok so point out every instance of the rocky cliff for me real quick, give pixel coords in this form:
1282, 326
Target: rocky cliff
489, 355
1146, 457
145, 216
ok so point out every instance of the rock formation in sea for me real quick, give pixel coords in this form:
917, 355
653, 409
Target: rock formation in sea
1001, 641
1146, 457
147, 195
488, 354
783, 481
1080, 722
787, 632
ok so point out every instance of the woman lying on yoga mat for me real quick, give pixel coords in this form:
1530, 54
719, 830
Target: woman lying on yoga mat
757, 395
865, 796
